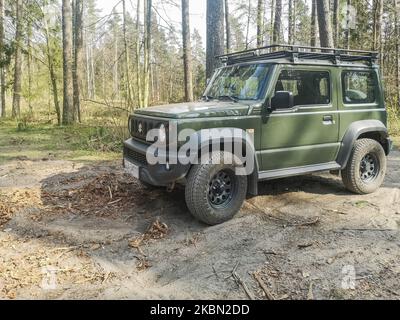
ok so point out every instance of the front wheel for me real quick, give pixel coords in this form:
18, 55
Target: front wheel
366, 169
214, 192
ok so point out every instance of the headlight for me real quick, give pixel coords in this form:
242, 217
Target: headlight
130, 125
162, 134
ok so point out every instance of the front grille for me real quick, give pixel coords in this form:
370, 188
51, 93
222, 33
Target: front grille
140, 127
135, 156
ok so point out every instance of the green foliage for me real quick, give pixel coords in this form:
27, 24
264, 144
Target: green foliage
394, 120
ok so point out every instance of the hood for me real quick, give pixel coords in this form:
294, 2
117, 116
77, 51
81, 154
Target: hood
197, 110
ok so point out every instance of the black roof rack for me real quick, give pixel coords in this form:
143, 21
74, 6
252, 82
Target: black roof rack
296, 53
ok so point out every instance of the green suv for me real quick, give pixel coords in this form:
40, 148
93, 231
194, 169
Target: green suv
300, 110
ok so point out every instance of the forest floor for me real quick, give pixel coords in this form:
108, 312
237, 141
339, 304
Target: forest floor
80, 228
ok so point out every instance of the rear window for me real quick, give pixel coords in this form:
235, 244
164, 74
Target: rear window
359, 87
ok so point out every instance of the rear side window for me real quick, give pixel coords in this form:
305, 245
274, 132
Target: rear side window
358, 87
308, 87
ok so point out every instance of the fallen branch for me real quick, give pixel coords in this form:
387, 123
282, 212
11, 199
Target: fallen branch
240, 282
365, 230
114, 202
268, 293
310, 295
306, 224
305, 245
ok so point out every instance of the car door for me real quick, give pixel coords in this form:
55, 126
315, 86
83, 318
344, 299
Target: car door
306, 133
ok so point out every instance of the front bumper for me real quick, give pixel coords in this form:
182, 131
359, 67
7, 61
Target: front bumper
156, 175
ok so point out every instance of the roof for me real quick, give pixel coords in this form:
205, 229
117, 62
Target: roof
303, 55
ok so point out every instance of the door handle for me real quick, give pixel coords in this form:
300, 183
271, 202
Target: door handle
328, 120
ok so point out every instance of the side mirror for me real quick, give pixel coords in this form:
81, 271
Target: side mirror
282, 100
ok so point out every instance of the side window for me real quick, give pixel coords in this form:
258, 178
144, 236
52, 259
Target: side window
308, 87
358, 87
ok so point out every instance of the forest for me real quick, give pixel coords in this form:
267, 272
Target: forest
68, 63
74, 224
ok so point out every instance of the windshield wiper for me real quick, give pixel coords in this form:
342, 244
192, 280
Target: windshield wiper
234, 99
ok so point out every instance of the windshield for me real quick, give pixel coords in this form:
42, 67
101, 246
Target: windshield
244, 82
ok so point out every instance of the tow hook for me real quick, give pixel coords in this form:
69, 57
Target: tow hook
171, 187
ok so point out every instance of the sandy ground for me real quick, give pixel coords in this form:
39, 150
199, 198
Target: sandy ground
69, 231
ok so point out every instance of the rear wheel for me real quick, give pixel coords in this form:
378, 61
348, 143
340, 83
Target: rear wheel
366, 169
214, 192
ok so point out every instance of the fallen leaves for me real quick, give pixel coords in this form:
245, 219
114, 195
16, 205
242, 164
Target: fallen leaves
14, 201
105, 195
156, 231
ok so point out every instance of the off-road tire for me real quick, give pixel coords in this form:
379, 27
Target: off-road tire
352, 175
198, 188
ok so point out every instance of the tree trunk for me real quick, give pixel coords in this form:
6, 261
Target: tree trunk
29, 61
290, 22
377, 25
16, 107
228, 27
277, 22
380, 36
248, 24
115, 66
336, 22
260, 23
187, 51
147, 51
271, 30
52, 73
78, 57
325, 25
2, 73
68, 116
314, 24
397, 26
138, 64
348, 30
127, 60
215, 34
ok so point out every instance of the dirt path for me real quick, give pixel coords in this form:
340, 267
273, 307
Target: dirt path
74, 231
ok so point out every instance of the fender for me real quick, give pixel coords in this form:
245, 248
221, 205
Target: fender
355, 131
241, 137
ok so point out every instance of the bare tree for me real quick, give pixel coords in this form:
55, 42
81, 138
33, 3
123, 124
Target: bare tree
292, 21
272, 20
52, 71
138, 65
378, 40
228, 27
16, 107
2, 73
336, 18
187, 51
278, 22
248, 24
215, 34
397, 33
260, 22
314, 24
348, 29
127, 60
78, 57
68, 116
147, 50
325, 24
